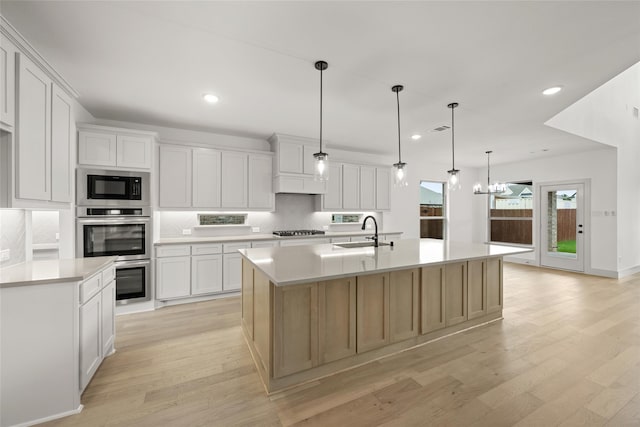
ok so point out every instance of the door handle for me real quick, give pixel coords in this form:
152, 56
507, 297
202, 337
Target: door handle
579, 231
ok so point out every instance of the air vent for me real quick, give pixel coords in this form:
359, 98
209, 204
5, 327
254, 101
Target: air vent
441, 128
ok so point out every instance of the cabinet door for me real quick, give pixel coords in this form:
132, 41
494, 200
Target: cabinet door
33, 132
134, 151
432, 295
336, 319
247, 297
260, 182
290, 157
494, 285
308, 161
333, 197
108, 318
96, 148
367, 187
175, 177
350, 187
455, 276
234, 180
404, 293
173, 277
61, 140
232, 272
476, 288
7, 82
295, 328
206, 274
90, 340
372, 311
383, 185
206, 178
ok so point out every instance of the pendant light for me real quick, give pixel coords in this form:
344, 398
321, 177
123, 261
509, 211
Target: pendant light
400, 172
321, 169
454, 174
495, 188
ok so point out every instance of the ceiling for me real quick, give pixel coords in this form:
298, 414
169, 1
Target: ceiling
150, 62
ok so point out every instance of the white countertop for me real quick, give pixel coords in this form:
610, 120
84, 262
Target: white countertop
255, 237
303, 264
52, 271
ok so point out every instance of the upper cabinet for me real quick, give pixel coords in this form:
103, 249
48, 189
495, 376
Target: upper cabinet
36, 114
114, 148
294, 165
354, 187
191, 177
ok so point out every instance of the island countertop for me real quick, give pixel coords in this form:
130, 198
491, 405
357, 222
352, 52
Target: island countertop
304, 264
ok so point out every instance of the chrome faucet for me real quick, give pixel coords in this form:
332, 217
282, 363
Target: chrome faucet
375, 237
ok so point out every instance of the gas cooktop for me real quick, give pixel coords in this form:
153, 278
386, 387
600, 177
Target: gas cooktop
287, 233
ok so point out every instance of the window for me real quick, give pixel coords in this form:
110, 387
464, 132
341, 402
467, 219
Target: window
432, 214
511, 214
224, 219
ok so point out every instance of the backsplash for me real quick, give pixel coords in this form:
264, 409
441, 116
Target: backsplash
293, 211
12, 235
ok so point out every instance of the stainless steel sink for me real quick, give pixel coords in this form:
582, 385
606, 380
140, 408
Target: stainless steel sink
359, 244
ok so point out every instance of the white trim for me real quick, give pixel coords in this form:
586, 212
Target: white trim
51, 417
516, 260
627, 271
101, 128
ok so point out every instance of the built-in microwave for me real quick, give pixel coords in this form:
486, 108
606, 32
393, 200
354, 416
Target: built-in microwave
112, 188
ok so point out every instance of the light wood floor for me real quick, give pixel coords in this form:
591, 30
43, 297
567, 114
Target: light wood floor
567, 353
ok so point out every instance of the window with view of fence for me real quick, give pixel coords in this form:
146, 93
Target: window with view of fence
432, 214
511, 214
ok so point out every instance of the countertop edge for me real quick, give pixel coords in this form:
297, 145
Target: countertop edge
231, 239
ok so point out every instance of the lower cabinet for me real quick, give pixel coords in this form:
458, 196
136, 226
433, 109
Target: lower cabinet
232, 266
336, 319
455, 279
372, 311
173, 277
476, 288
432, 293
494, 285
206, 274
97, 322
404, 303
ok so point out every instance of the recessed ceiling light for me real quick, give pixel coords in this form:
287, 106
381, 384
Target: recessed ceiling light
416, 137
210, 98
552, 90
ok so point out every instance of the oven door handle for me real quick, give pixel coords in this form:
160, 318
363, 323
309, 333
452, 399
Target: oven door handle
125, 220
132, 263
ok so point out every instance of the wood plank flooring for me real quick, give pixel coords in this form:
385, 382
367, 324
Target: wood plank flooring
567, 353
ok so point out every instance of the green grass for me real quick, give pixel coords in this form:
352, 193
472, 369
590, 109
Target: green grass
567, 246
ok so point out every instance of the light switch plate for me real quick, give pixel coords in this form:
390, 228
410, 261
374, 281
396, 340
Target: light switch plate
5, 255
186, 231
255, 229
325, 227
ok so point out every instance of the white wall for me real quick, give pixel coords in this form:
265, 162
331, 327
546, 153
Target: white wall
598, 167
13, 235
607, 115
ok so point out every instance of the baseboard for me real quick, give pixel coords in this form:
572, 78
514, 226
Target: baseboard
169, 303
603, 273
628, 271
517, 260
136, 307
51, 417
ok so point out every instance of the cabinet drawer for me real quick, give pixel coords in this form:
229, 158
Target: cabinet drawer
173, 250
90, 287
267, 244
230, 248
210, 249
108, 275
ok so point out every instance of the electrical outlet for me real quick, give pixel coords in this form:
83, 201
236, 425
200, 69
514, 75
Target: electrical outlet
325, 227
5, 255
57, 236
186, 231
255, 229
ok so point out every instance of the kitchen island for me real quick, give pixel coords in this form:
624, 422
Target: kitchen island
311, 311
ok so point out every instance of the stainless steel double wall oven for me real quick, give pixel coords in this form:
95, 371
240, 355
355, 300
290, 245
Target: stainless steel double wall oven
113, 218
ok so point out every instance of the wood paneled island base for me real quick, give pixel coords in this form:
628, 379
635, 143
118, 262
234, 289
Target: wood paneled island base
301, 332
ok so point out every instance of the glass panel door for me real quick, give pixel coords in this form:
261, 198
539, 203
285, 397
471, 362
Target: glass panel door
562, 229
114, 239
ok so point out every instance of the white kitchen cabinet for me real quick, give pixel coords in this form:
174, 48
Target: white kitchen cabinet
96, 148
308, 161
291, 157
134, 151
206, 274
234, 180
294, 165
350, 186
301, 242
175, 177
367, 188
232, 266
265, 244
33, 132
340, 239
260, 182
62, 132
173, 277
114, 147
383, 187
108, 323
206, 178
90, 339
7, 82
333, 197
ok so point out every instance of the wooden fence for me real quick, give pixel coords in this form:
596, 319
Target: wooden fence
520, 231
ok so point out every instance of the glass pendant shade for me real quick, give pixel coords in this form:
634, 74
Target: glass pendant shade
400, 174
496, 187
453, 182
321, 170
